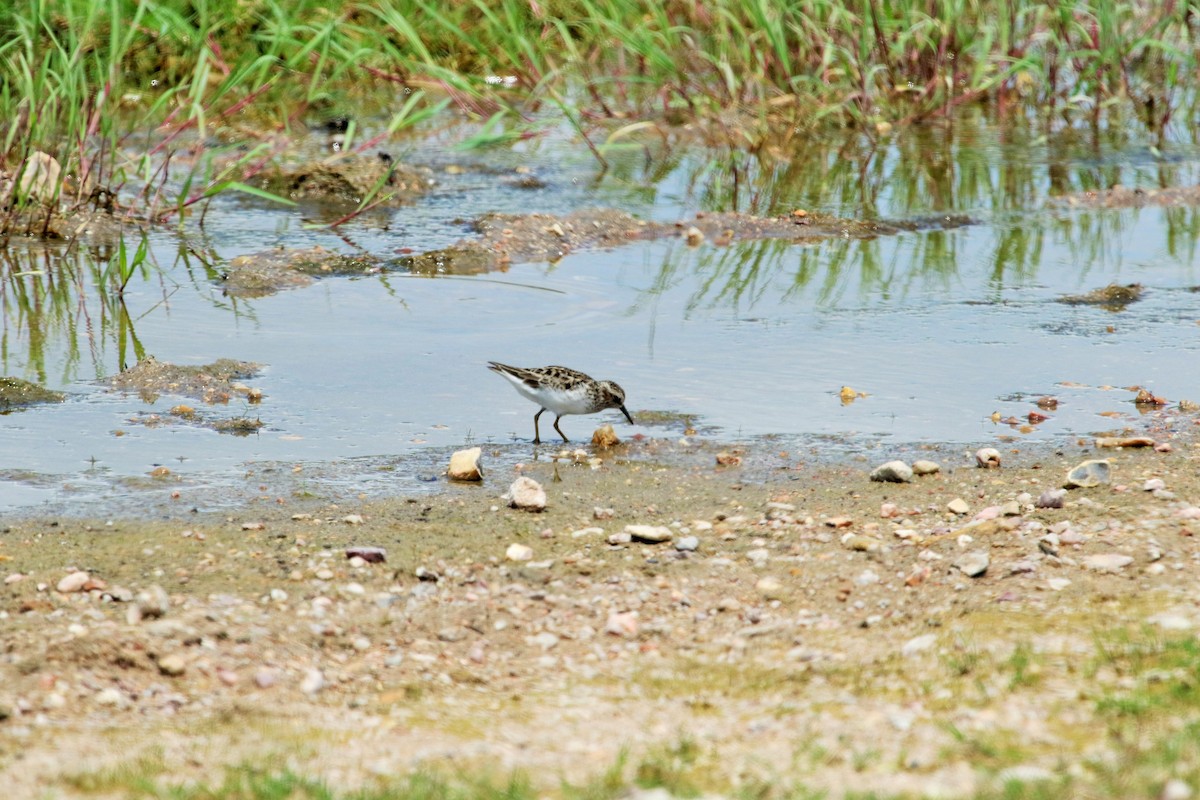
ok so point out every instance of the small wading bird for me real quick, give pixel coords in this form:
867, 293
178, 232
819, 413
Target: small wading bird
563, 391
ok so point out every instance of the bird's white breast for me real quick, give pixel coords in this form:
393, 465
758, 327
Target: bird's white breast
561, 401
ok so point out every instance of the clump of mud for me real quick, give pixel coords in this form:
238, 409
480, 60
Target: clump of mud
188, 416
348, 179
262, 274
18, 393
513, 238
209, 383
1113, 297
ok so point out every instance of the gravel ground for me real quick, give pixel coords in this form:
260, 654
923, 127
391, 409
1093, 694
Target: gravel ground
800, 628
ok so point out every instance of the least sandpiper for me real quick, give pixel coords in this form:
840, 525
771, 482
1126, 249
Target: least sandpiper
563, 391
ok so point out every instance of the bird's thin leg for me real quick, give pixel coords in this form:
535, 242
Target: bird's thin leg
560, 433
537, 438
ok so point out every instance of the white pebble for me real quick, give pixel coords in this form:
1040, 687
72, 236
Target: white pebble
518, 552
919, 644
313, 681
73, 582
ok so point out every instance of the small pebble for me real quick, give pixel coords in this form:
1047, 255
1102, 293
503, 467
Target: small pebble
312, 682
866, 578
526, 494
924, 467
266, 677
687, 543
369, 554
465, 466
859, 543
153, 602
650, 534
582, 532
1087, 474
987, 458
1107, 562
172, 665
1176, 789
1052, 498
972, 564
892, 472
518, 552
769, 587
73, 582
544, 640
918, 644
622, 624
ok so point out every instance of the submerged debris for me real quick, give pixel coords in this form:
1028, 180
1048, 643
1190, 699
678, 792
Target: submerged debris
349, 178
238, 426
454, 260
210, 383
513, 238
17, 393
605, 436
1147, 398
1111, 298
261, 274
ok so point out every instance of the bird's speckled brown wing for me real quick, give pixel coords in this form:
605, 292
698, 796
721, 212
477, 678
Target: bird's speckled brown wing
563, 377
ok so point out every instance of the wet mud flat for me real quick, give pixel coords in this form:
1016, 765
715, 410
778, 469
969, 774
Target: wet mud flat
741, 615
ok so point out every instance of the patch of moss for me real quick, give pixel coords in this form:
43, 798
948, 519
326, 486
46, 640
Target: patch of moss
17, 393
238, 426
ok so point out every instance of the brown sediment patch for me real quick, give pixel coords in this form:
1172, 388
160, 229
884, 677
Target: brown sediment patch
265, 273
18, 393
1113, 297
209, 383
1125, 197
349, 179
514, 238
237, 426
93, 225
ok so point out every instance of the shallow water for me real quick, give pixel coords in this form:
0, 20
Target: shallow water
369, 381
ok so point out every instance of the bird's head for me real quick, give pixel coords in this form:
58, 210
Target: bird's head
614, 397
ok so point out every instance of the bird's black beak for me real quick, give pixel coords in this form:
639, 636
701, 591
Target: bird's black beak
626, 413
